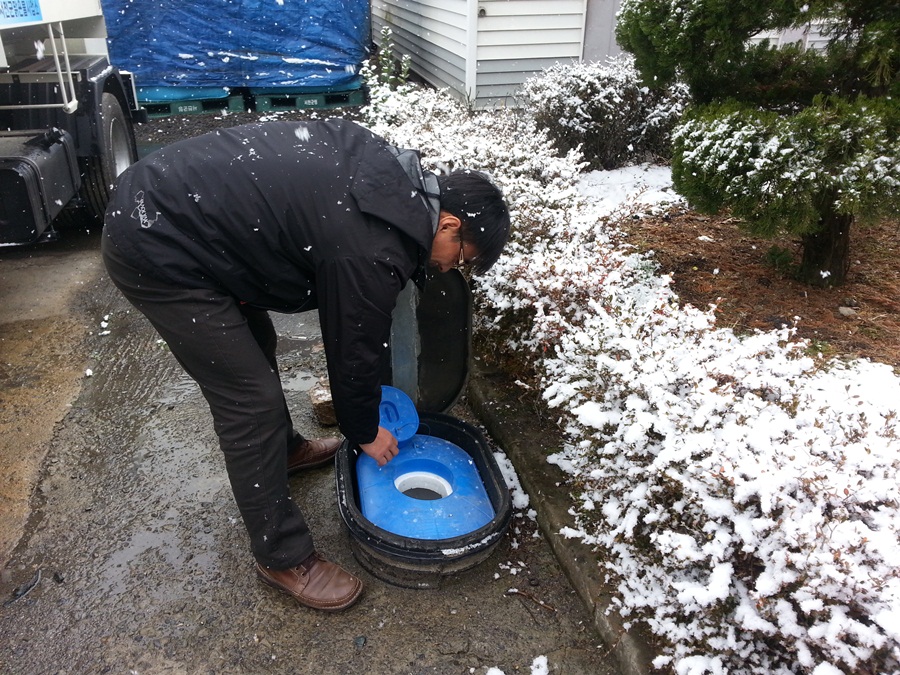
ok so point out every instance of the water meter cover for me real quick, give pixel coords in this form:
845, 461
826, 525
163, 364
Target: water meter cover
391, 496
398, 413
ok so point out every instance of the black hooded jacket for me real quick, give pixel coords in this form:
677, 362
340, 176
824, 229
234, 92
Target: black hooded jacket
289, 216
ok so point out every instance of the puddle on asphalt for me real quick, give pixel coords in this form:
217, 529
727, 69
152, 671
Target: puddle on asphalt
180, 508
179, 390
298, 381
117, 571
181, 504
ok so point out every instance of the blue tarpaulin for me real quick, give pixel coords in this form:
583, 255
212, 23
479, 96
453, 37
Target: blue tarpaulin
296, 45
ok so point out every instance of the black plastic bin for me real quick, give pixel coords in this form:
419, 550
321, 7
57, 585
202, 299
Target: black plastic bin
422, 563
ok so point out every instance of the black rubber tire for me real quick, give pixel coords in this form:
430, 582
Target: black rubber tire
116, 154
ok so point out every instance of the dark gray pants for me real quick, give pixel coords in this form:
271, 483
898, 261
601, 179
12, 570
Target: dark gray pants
229, 349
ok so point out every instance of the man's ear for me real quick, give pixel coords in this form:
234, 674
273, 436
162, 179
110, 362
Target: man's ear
448, 220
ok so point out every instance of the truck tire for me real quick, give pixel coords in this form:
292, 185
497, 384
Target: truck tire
116, 154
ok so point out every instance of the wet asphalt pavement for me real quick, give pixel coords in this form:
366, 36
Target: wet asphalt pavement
140, 562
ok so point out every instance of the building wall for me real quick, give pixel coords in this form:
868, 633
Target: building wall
600, 30
512, 40
809, 37
517, 38
433, 32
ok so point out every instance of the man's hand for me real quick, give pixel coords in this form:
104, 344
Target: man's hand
383, 449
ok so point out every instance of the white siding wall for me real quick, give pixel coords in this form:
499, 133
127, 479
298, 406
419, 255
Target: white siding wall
433, 33
810, 37
517, 38
513, 39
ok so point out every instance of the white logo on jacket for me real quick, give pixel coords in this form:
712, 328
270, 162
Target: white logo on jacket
140, 211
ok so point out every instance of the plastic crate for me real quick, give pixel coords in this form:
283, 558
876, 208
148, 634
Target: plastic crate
194, 106
273, 101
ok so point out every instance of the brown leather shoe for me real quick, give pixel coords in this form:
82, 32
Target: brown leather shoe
315, 583
311, 454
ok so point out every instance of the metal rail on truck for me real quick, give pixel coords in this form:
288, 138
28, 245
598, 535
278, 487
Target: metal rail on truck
70, 101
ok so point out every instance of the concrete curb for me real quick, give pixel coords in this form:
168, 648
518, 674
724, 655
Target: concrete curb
523, 436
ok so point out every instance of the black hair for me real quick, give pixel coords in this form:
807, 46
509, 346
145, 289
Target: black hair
478, 203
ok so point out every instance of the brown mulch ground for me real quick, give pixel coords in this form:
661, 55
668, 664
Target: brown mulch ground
711, 260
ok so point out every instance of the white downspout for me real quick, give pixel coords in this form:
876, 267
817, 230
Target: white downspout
471, 84
584, 13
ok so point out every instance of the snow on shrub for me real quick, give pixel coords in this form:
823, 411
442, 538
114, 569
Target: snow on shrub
602, 109
743, 497
740, 494
788, 172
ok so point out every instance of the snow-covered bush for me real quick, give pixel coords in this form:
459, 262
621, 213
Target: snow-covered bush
741, 495
774, 168
603, 109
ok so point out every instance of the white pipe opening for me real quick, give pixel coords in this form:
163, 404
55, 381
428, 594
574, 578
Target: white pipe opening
423, 480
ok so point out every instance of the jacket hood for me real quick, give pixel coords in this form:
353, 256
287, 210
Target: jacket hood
393, 196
